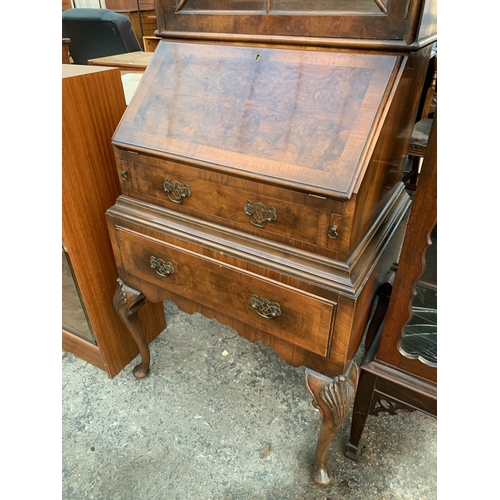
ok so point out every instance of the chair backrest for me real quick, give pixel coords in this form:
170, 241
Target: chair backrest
97, 33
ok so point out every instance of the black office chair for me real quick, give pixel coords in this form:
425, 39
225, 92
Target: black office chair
97, 33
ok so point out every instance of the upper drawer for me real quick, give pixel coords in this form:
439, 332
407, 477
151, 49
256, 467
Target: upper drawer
279, 310
289, 217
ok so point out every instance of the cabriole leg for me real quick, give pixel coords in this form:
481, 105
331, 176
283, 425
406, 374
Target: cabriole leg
334, 399
126, 302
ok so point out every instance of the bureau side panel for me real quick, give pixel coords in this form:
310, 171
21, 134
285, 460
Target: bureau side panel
385, 170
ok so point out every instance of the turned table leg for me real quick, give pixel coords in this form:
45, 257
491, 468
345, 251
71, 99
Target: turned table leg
126, 302
333, 398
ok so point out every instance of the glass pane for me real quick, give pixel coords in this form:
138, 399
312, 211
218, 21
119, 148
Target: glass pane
74, 319
327, 5
258, 5
420, 334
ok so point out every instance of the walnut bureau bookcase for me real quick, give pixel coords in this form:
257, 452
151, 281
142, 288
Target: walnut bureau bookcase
93, 103
260, 162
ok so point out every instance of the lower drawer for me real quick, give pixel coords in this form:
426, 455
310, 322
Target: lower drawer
285, 312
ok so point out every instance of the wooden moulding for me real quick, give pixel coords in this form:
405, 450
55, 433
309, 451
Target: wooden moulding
228, 245
396, 24
297, 271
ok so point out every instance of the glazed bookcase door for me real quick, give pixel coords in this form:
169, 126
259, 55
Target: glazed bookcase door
358, 19
419, 336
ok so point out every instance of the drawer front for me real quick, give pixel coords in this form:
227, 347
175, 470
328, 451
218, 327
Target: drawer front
281, 311
212, 197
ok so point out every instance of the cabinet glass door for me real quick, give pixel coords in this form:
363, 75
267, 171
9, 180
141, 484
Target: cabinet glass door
74, 319
419, 339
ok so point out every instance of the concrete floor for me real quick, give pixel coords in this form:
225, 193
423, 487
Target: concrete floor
208, 426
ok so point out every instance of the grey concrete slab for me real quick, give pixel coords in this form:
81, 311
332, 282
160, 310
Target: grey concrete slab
211, 425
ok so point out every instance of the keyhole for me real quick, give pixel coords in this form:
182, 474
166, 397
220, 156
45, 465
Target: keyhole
257, 57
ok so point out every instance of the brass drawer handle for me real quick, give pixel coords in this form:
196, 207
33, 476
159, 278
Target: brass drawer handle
265, 308
162, 267
176, 191
259, 214
332, 232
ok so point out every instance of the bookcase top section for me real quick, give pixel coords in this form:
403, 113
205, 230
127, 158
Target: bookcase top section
404, 21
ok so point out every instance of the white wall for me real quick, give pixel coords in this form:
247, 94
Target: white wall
93, 4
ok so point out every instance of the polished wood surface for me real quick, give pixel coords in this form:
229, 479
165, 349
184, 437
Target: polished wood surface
391, 378
423, 219
93, 104
237, 257
130, 4
333, 398
260, 163
301, 319
150, 43
217, 197
220, 105
83, 349
346, 192
183, 19
131, 61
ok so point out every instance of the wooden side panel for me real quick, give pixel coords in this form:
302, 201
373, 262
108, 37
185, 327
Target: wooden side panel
93, 104
422, 220
386, 166
352, 315
83, 349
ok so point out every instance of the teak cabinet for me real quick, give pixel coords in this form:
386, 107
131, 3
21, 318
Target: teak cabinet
260, 162
92, 105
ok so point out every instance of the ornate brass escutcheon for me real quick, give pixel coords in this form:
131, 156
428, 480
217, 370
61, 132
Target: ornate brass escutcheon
265, 307
162, 267
176, 191
332, 232
124, 175
259, 214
